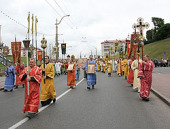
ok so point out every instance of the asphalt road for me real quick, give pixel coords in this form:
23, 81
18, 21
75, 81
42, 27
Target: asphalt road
163, 70
111, 105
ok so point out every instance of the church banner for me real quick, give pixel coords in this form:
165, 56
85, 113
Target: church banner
40, 53
128, 47
16, 51
63, 48
133, 44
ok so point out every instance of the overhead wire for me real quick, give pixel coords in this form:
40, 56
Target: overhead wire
17, 22
52, 7
57, 12
76, 28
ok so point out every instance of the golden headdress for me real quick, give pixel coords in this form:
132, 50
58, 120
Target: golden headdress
72, 57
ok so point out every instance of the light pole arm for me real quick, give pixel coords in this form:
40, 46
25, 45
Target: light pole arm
62, 19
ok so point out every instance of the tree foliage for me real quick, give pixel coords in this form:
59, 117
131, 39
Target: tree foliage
160, 31
163, 32
158, 22
150, 34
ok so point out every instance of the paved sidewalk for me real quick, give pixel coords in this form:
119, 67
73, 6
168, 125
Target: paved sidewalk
2, 81
161, 86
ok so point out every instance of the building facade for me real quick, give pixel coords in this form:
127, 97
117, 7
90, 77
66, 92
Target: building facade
116, 46
24, 53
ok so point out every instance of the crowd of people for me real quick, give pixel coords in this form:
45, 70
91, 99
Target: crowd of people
137, 72
161, 63
33, 77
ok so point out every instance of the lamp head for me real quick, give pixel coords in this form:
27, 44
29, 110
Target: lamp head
26, 43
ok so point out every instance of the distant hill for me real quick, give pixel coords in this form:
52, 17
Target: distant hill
157, 49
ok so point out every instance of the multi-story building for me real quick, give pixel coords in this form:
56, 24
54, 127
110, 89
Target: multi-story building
114, 44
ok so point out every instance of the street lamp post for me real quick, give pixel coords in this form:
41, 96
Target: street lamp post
57, 23
44, 45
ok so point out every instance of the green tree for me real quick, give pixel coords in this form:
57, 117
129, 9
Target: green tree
158, 22
153, 35
163, 32
149, 35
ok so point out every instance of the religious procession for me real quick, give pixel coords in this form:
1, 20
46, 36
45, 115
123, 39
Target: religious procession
104, 74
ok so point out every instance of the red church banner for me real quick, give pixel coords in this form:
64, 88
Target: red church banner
128, 48
16, 51
40, 53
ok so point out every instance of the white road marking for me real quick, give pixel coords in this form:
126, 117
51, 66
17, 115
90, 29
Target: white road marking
41, 109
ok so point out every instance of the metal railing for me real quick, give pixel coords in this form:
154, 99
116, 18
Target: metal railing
3, 60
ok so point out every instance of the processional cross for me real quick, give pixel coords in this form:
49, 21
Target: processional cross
140, 26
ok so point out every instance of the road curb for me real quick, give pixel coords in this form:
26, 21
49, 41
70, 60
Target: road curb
162, 97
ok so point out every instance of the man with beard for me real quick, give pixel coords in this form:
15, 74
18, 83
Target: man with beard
33, 76
47, 84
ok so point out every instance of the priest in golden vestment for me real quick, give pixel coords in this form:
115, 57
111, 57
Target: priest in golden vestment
110, 69
104, 66
71, 73
119, 69
98, 64
47, 84
135, 68
126, 68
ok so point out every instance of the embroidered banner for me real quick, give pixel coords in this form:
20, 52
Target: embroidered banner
63, 48
16, 51
40, 53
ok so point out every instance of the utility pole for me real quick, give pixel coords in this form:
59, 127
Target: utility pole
57, 53
57, 23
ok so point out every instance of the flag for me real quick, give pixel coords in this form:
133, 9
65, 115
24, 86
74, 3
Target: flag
28, 19
32, 23
36, 21
63, 48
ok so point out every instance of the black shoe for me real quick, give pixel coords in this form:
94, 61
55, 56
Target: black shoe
92, 86
11, 90
23, 86
147, 99
54, 100
88, 88
5, 90
16, 87
143, 99
31, 115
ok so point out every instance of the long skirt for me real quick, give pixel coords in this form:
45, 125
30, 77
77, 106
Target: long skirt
130, 77
91, 79
146, 83
71, 78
